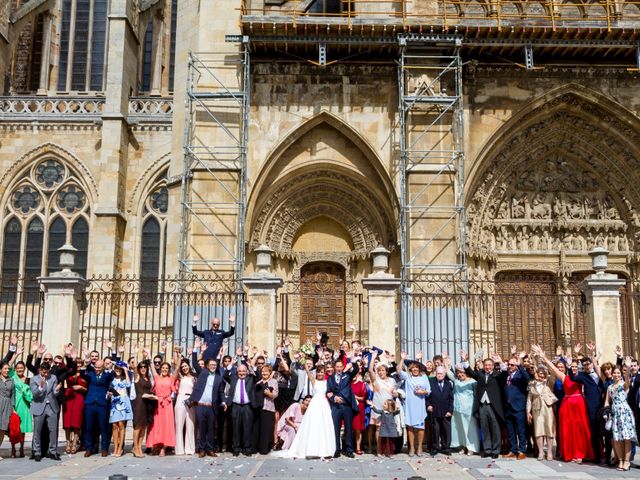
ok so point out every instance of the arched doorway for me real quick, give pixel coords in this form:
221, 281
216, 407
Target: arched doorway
322, 300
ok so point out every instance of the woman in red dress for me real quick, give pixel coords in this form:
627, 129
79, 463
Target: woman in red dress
574, 420
73, 409
359, 389
162, 433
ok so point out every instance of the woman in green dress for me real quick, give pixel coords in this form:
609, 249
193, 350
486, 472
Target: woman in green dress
23, 397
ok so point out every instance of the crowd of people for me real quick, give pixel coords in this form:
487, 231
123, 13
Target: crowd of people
320, 402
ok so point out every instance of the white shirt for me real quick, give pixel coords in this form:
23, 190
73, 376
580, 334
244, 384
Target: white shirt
242, 383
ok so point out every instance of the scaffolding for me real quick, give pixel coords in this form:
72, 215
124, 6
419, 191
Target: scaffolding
214, 177
431, 140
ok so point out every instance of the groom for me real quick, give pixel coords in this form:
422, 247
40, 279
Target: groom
343, 406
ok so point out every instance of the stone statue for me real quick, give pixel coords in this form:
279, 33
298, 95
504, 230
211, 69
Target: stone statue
539, 207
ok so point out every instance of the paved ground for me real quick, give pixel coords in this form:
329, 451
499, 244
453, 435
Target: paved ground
458, 467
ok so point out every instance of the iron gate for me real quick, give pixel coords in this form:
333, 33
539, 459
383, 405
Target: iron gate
125, 310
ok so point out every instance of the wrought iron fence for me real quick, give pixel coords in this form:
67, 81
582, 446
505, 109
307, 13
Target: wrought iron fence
304, 308
123, 310
21, 311
630, 313
444, 314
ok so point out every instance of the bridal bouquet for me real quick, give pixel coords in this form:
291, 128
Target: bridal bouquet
307, 349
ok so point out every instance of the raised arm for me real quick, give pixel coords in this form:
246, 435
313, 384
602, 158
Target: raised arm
232, 327
194, 327
311, 378
538, 351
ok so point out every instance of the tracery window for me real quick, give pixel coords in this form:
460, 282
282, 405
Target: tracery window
153, 240
47, 208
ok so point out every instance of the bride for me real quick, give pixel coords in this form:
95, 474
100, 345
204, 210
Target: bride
316, 436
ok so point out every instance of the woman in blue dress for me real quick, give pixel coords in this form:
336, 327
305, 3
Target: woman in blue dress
121, 411
464, 426
623, 425
417, 388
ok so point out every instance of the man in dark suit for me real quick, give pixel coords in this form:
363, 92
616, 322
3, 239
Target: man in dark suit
515, 393
96, 410
343, 406
242, 399
208, 397
45, 409
592, 389
487, 403
213, 337
440, 408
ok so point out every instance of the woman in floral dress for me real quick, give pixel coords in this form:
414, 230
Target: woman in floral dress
121, 411
623, 424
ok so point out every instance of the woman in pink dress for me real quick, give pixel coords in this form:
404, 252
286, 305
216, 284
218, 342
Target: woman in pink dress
163, 430
290, 421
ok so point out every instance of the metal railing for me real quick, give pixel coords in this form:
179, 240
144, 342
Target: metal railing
21, 311
446, 13
489, 317
143, 312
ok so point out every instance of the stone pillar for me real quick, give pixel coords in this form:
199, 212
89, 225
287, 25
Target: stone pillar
381, 287
45, 60
262, 288
62, 296
602, 291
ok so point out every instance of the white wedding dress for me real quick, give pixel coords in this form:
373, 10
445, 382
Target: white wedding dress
316, 436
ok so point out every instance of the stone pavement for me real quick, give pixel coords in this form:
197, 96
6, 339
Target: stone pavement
400, 467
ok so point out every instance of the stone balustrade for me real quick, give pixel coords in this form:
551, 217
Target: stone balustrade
150, 109
51, 108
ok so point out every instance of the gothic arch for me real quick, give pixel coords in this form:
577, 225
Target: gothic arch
303, 129
49, 150
146, 181
559, 176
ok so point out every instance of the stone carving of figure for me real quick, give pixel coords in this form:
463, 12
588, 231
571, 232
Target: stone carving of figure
566, 300
546, 241
518, 208
503, 210
608, 210
523, 242
575, 207
535, 241
539, 207
590, 207
512, 241
567, 242
559, 208
623, 244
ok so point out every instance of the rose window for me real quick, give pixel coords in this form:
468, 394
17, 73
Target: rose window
26, 199
71, 199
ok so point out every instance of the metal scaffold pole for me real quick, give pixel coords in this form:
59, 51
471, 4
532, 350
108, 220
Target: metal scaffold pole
431, 142
214, 175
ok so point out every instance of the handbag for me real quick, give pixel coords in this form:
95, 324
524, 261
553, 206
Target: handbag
15, 433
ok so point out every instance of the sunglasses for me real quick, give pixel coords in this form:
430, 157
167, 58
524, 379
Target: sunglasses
156, 362
513, 364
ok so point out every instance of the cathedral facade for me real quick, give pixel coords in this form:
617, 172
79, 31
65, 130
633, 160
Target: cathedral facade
427, 174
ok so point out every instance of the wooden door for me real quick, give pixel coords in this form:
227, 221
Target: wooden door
322, 302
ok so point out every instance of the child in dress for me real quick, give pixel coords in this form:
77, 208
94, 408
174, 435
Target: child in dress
388, 428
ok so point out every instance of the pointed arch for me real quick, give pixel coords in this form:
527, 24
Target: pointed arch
304, 128
323, 167
559, 175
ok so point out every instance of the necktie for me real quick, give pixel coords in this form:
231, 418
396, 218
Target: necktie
242, 391
486, 378
308, 387
441, 385
509, 379
337, 378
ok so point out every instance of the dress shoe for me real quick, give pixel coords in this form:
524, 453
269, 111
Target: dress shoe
32, 457
446, 452
37, 458
201, 454
433, 453
54, 456
349, 454
510, 455
212, 453
336, 455
484, 454
236, 453
522, 456
495, 455
104, 453
87, 454
247, 453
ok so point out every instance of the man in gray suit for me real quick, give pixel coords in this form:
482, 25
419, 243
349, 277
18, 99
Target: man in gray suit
45, 409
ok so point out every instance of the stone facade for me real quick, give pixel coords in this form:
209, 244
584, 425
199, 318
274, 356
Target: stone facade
551, 157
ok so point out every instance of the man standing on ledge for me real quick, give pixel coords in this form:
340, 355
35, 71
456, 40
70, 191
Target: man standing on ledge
214, 337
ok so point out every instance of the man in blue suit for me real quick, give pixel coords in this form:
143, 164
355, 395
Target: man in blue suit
207, 396
440, 408
214, 337
515, 390
592, 389
96, 408
343, 405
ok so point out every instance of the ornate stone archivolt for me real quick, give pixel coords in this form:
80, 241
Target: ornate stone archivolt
564, 184
339, 196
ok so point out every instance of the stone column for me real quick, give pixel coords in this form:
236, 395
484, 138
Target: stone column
381, 287
45, 61
262, 288
602, 291
62, 296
